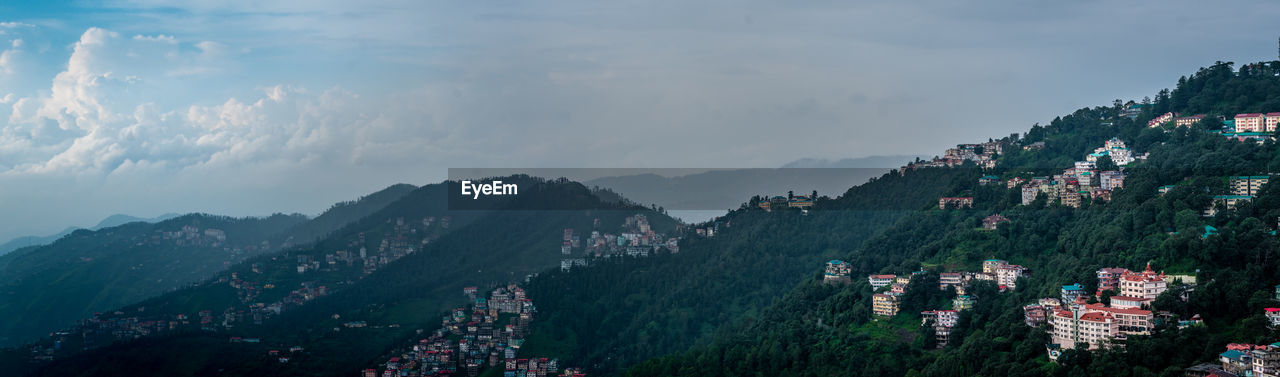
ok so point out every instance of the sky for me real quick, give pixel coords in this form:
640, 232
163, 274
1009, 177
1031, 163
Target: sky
253, 107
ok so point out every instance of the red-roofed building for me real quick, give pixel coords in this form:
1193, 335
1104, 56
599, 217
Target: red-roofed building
1250, 122
1270, 121
880, 281
1072, 329
1147, 284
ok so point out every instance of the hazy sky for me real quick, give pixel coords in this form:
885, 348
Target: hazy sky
253, 107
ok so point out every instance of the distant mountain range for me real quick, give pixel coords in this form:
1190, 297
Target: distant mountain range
110, 221
727, 189
890, 162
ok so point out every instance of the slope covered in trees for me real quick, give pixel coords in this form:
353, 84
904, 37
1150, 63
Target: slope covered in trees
479, 248
819, 330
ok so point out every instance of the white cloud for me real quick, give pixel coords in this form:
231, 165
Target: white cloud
161, 38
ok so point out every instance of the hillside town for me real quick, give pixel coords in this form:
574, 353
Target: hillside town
636, 239
488, 333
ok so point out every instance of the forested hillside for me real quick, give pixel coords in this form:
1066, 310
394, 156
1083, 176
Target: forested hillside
821, 330
410, 292
48, 287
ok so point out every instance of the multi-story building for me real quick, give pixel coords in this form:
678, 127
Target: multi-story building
962, 302
837, 272
1029, 194
1270, 121
1033, 315
1111, 179
1248, 185
1147, 284
950, 279
884, 305
1075, 328
880, 281
1187, 121
1266, 361
1226, 202
1160, 120
1071, 292
989, 266
1109, 278
1126, 302
1071, 198
1007, 275
1273, 316
942, 321
1250, 122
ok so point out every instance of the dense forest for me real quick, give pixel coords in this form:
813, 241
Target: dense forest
820, 330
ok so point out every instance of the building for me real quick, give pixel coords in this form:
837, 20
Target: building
950, 279
955, 202
1126, 302
880, 281
1160, 120
1248, 185
992, 222
942, 321
1111, 180
1029, 194
884, 305
1075, 328
837, 272
989, 266
962, 302
1072, 292
1109, 278
1095, 324
1007, 275
1187, 121
1266, 361
1071, 199
1270, 121
1251, 122
1273, 316
1146, 284
1226, 202
1033, 315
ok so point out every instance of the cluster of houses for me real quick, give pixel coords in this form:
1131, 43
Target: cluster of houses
1082, 179
984, 155
1074, 322
1069, 188
487, 333
889, 288
1242, 359
637, 239
790, 201
1257, 127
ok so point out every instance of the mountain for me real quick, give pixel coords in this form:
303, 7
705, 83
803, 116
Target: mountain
726, 189
419, 251
47, 287
110, 221
883, 162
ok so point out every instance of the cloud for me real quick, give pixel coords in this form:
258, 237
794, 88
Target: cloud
8, 57
161, 38
92, 123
